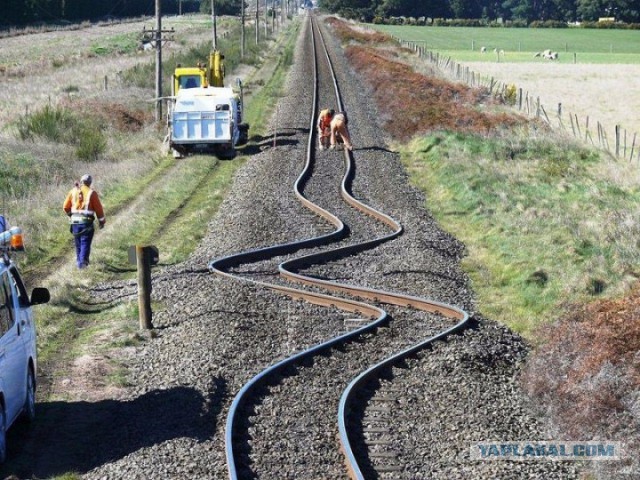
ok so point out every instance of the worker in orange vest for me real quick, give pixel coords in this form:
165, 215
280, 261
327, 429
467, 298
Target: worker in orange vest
83, 205
324, 127
339, 131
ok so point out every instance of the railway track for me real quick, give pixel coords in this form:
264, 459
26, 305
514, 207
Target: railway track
405, 333
413, 420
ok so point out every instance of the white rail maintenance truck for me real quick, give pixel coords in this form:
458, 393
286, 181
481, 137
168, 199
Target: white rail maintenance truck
204, 115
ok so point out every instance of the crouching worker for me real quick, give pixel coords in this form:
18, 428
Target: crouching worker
324, 127
82, 205
340, 131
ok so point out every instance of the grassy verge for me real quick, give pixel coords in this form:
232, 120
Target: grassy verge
271, 89
537, 219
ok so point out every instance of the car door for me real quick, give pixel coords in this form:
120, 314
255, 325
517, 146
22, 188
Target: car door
13, 364
23, 316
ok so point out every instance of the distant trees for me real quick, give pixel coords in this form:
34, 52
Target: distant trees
525, 11
24, 12
223, 7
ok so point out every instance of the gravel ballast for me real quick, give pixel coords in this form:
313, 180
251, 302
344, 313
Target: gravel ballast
216, 333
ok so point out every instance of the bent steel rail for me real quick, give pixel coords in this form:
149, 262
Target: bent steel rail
287, 270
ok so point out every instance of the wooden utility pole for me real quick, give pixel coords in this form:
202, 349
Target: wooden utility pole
242, 41
158, 36
257, 23
213, 23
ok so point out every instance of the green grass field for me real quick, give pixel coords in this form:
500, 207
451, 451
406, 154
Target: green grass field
519, 44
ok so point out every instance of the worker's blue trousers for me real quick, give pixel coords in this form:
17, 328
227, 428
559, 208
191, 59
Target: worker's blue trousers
83, 236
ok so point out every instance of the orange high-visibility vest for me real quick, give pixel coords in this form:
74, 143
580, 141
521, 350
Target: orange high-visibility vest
83, 203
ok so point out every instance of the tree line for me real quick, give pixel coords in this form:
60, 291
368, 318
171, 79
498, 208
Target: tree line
19, 13
521, 11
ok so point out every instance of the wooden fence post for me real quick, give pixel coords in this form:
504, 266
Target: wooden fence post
586, 129
600, 141
520, 98
144, 288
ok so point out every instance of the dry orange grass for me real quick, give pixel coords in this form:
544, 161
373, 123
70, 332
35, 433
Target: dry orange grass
414, 103
120, 117
587, 372
348, 31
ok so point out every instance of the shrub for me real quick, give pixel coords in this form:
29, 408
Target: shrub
25, 172
91, 143
510, 94
548, 24
60, 125
52, 123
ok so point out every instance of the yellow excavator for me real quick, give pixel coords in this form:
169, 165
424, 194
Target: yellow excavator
204, 114
211, 75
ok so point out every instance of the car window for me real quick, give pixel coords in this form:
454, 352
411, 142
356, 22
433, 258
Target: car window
19, 288
6, 304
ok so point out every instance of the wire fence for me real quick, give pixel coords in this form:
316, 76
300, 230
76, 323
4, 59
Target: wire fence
623, 145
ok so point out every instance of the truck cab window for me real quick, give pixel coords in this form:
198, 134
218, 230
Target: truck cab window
190, 82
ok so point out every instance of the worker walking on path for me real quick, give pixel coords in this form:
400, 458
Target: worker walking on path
82, 205
324, 127
340, 131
